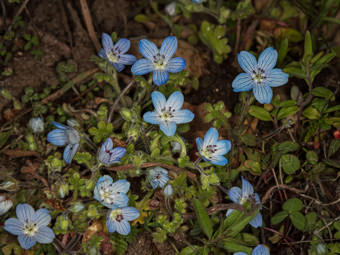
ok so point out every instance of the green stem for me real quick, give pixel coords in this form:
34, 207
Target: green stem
116, 87
244, 111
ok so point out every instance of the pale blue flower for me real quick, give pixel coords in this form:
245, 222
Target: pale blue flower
243, 196
211, 149
30, 226
158, 61
198, 1
65, 135
36, 125
111, 194
118, 219
107, 155
115, 54
258, 250
158, 177
259, 76
168, 113
168, 190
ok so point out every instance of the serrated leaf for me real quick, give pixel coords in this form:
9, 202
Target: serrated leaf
203, 218
293, 205
260, 113
279, 217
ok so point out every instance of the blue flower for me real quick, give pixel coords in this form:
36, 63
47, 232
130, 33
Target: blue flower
259, 76
115, 54
168, 190
36, 125
30, 226
243, 196
158, 177
111, 195
168, 113
118, 219
65, 135
211, 149
198, 1
158, 61
107, 155
259, 250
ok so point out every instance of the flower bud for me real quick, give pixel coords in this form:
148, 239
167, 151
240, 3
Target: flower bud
36, 125
63, 190
5, 204
76, 207
168, 191
171, 9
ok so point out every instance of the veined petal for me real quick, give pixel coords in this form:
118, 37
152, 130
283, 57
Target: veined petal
160, 77
223, 147
176, 65
247, 188
121, 186
118, 200
127, 59
175, 101
147, 49
107, 42
260, 250
263, 94
14, 226
116, 154
242, 82
163, 180
57, 137
142, 66
247, 61
42, 217
26, 242
169, 47
277, 78
44, 235
118, 66
25, 213
199, 143
210, 137
69, 152
123, 45
267, 59
59, 125
152, 118
168, 128
123, 227
102, 53
108, 144
239, 253
257, 221
235, 194
130, 213
182, 116
110, 224
218, 160
158, 100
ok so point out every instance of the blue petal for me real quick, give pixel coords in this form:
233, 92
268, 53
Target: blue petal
218, 160
160, 77
263, 94
25, 213
168, 128
123, 227
107, 42
277, 78
118, 66
123, 45
107, 145
247, 188
199, 143
163, 180
57, 137
235, 194
121, 186
127, 59
14, 226
240, 253
152, 118
130, 213
26, 242
257, 221
142, 66
176, 65
257, 199
210, 137
69, 152
44, 235
175, 101
147, 49
42, 217
60, 126
169, 47
119, 200
242, 82
116, 154
267, 59
229, 211
182, 116
105, 180
102, 53
111, 225
158, 100
260, 250
223, 147
247, 61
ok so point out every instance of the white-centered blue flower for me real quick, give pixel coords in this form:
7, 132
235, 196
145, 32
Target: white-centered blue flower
36, 125
258, 250
158, 177
111, 194
115, 53
198, 1
244, 195
30, 226
260, 75
65, 135
168, 190
5, 204
168, 113
211, 149
160, 62
109, 155
118, 219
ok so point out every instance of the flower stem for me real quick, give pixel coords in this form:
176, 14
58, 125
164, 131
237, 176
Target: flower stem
244, 112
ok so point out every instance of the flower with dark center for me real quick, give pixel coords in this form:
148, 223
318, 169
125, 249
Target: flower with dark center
118, 219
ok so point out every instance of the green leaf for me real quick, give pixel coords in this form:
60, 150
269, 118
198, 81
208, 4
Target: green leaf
283, 50
308, 47
239, 225
290, 163
234, 245
287, 111
203, 218
293, 205
333, 109
333, 147
279, 217
288, 146
260, 113
4, 137
323, 92
311, 113
298, 220
312, 157
248, 139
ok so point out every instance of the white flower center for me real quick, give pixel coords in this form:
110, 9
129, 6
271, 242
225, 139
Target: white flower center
167, 114
116, 215
107, 195
114, 55
159, 62
30, 229
259, 76
209, 150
